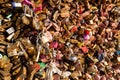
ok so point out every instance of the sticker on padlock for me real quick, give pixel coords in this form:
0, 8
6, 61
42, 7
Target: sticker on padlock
16, 5
10, 30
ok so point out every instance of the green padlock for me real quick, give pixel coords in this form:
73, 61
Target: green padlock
42, 65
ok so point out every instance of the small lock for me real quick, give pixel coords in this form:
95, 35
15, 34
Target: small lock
118, 58
0, 22
119, 46
1, 56
54, 53
82, 21
68, 43
86, 37
9, 16
118, 52
73, 58
31, 50
10, 30
91, 21
10, 36
45, 39
72, 68
16, 5
28, 11
27, 2
66, 74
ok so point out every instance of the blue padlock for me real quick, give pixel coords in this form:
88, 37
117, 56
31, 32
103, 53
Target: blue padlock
118, 52
100, 57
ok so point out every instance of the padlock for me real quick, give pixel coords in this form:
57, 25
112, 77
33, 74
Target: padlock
86, 37
72, 68
27, 2
25, 20
7, 24
118, 58
9, 38
10, 30
1, 56
16, 5
28, 11
9, 16
73, 58
0, 22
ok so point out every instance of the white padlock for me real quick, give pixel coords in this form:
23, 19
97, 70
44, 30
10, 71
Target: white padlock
14, 4
10, 30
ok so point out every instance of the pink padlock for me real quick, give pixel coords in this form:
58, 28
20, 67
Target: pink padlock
38, 9
54, 45
59, 56
86, 37
27, 2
